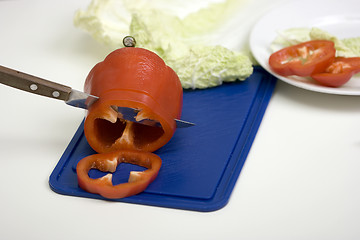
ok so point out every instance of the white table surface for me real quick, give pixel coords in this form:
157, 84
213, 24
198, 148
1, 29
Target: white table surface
300, 180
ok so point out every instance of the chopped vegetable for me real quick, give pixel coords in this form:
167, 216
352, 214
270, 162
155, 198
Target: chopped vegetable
138, 181
136, 78
303, 59
290, 37
133, 78
182, 41
348, 47
339, 72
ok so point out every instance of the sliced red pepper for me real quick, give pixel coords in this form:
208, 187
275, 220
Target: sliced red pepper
303, 59
107, 162
136, 78
339, 72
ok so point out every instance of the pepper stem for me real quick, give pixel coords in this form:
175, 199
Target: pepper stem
129, 41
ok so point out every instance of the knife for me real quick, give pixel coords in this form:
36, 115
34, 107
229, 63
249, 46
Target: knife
43, 87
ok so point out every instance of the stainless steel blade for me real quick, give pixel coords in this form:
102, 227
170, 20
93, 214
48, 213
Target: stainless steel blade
80, 99
183, 124
130, 114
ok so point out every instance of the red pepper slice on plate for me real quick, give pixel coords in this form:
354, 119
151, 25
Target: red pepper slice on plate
107, 162
136, 78
339, 72
303, 59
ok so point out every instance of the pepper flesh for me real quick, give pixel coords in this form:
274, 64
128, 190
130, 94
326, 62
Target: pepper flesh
339, 72
303, 59
107, 162
135, 78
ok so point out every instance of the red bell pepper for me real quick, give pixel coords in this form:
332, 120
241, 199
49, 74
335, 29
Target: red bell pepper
136, 78
107, 162
339, 72
303, 59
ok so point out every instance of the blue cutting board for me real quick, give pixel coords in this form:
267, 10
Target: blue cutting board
200, 164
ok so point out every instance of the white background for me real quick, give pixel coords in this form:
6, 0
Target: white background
300, 180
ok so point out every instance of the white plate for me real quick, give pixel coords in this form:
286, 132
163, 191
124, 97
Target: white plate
339, 17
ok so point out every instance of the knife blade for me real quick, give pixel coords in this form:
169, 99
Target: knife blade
43, 87
130, 114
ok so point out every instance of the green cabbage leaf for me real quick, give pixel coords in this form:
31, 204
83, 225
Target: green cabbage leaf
181, 40
348, 47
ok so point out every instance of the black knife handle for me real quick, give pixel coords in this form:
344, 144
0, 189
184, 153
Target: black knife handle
32, 84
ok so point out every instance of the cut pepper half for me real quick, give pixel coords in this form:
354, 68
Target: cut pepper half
108, 162
135, 78
303, 59
339, 72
